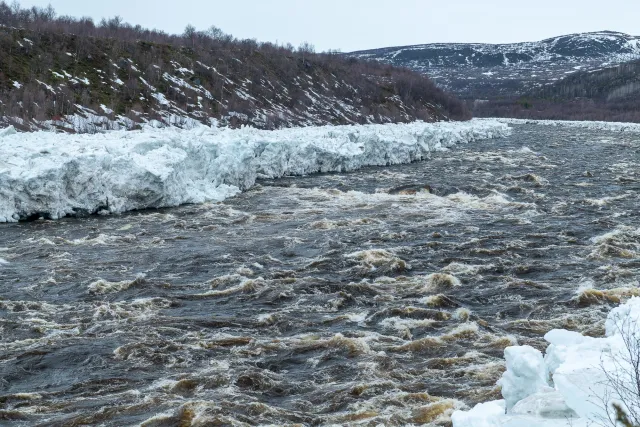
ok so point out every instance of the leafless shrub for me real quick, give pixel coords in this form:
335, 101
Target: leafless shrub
621, 399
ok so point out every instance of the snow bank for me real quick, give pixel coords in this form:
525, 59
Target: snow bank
592, 125
55, 175
571, 385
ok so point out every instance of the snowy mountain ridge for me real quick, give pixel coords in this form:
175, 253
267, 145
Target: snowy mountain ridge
478, 69
606, 45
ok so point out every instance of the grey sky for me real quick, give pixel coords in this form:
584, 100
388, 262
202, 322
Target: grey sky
361, 24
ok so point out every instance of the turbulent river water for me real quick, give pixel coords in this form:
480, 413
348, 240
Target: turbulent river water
380, 297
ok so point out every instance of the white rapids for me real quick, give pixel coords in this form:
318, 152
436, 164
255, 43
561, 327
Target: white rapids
55, 175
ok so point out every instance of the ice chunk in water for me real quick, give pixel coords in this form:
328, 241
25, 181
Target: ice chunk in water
526, 374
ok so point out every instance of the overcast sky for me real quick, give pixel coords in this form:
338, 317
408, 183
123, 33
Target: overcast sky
363, 24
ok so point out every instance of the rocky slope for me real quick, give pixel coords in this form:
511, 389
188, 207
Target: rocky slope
75, 75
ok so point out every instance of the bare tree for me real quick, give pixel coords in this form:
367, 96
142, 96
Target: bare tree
190, 34
15, 7
215, 32
621, 399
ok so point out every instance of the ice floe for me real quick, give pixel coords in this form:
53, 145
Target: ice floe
573, 384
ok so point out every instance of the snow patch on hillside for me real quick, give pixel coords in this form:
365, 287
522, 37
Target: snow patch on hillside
568, 386
478, 70
54, 175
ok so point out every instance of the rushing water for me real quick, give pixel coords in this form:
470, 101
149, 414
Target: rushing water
380, 297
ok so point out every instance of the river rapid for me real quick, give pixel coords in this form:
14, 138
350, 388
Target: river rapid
384, 296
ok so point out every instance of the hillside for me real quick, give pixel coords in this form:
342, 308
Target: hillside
79, 76
610, 94
481, 71
609, 84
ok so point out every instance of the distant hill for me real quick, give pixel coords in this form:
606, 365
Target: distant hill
76, 75
608, 84
481, 71
611, 94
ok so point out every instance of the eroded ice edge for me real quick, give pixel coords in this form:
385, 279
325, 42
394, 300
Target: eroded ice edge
570, 385
54, 175
593, 125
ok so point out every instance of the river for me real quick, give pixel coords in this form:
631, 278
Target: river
384, 296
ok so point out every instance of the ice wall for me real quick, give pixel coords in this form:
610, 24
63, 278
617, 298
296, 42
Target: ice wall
54, 175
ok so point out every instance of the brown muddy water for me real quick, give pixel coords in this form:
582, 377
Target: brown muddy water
380, 297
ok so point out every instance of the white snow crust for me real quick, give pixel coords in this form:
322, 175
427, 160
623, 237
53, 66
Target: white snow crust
592, 125
569, 386
54, 175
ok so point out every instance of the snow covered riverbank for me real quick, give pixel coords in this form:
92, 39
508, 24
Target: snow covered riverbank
55, 175
594, 125
572, 384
